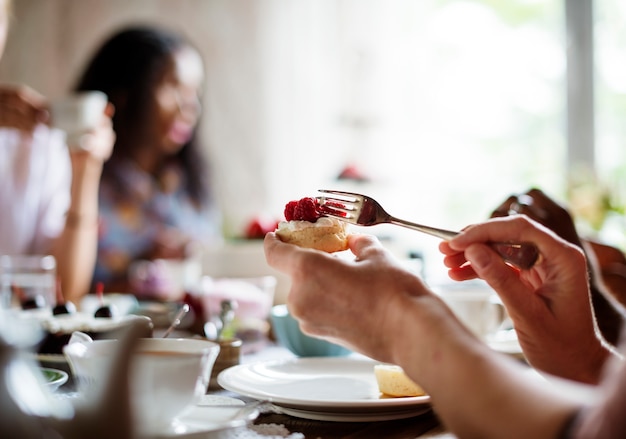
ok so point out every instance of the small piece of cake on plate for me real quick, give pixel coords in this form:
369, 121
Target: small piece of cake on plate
392, 381
306, 226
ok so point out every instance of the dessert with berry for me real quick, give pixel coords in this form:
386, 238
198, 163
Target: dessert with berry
307, 226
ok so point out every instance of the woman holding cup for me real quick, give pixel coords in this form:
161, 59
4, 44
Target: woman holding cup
155, 203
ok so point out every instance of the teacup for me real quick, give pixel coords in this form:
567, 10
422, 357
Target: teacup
288, 333
78, 113
166, 376
477, 306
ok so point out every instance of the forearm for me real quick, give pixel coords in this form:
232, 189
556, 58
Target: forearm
475, 391
609, 313
76, 248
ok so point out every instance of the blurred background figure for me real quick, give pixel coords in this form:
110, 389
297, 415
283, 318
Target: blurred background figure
154, 200
48, 197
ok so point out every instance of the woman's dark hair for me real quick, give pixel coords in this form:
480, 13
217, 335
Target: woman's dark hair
127, 68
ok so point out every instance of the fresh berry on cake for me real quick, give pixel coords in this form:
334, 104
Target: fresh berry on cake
306, 226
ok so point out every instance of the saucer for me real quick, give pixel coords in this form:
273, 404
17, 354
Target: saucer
209, 417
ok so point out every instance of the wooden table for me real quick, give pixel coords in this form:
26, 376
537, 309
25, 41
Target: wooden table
426, 425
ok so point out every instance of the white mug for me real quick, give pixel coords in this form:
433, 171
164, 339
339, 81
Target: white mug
27, 281
78, 113
167, 376
478, 307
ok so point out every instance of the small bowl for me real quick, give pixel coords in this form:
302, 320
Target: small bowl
288, 333
54, 378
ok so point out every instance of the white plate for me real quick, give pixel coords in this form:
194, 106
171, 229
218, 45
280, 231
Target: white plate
335, 389
124, 303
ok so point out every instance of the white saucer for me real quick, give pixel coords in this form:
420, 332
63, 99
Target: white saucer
211, 417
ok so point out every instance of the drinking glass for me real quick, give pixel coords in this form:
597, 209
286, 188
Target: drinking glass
27, 281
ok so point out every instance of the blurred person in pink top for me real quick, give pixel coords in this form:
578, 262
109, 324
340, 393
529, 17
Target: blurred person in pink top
48, 196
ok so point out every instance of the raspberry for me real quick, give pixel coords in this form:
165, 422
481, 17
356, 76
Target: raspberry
305, 209
289, 210
331, 208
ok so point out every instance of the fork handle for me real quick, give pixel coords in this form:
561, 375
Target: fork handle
521, 255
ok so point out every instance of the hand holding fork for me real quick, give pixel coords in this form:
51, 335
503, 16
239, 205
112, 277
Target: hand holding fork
364, 211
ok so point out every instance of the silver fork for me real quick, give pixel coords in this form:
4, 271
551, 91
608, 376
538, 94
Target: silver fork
364, 211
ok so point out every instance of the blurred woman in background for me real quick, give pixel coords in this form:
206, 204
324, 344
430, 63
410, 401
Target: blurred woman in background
154, 196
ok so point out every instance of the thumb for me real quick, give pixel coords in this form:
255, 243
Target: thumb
363, 246
504, 279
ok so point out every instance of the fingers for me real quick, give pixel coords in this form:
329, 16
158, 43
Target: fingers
504, 208
487, 265
22, 108
98, 141
364, 246
538, 206
280, 255
530, 203
462, 273
518, 228
556, 253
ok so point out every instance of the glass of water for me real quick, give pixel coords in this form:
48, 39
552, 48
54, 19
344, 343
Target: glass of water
27, 282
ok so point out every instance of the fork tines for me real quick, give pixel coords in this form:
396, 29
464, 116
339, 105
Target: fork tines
343, 208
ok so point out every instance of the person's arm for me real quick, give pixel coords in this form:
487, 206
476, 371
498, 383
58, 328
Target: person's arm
475, 391
611, 264
607, 267
76, 249
375, 307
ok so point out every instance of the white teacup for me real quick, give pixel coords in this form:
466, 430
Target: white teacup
166, 376
78, 113
477, 306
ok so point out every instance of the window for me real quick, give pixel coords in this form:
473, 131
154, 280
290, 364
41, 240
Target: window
610, 85
450, 105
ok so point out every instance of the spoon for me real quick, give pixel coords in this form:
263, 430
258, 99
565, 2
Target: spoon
214, 328
179, 316
227, 314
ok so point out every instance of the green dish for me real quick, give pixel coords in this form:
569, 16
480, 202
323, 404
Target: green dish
54, 378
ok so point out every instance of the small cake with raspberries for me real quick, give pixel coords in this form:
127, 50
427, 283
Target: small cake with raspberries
306, 226
393, 382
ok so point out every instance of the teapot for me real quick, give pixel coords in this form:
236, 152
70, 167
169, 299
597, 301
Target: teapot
28, 409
